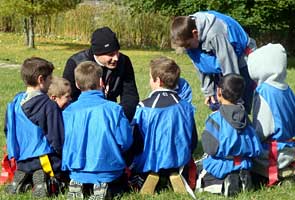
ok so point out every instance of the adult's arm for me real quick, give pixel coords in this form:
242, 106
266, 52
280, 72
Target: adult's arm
129, 97
70, 76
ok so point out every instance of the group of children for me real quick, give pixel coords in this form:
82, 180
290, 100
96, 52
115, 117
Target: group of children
92, 142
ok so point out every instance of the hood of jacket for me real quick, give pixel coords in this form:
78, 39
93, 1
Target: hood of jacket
235, 115
204, 22
268, 64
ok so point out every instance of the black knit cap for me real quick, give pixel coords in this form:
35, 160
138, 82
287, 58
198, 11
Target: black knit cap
104, 41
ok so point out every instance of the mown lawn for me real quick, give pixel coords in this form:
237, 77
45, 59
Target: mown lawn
13, 51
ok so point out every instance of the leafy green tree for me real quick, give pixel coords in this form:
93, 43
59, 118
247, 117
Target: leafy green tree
30, 9
258, 15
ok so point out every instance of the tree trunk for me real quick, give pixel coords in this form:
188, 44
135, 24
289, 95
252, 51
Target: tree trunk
31, 32
26, 31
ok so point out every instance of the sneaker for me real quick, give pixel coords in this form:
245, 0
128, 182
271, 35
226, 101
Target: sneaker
99, 191
39, 184
18, 184
177, 183
75, 190
231, 184
246, 180
150, 184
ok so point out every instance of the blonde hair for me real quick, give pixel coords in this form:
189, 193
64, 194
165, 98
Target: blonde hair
87, 75
59, 87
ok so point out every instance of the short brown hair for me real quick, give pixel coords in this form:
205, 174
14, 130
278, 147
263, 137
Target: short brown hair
59, 87
33, 67
167, 70
181, 30
87, 75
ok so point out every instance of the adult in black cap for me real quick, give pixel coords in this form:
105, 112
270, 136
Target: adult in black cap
118, 74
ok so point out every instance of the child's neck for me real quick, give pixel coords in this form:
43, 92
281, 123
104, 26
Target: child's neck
225, 102
33, 89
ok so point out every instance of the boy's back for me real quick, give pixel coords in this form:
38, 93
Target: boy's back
229, 141
29, 112
167, 125
34, 130
99, 133
273, 110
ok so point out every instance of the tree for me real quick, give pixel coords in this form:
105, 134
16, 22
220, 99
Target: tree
30, 9
259, 15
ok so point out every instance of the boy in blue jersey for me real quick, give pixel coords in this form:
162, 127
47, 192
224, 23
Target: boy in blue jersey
217, 45
230, 142
273, 111
34, 130
97, 133
167, 127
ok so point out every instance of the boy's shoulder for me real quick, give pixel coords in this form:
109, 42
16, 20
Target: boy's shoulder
94, 104
160, 99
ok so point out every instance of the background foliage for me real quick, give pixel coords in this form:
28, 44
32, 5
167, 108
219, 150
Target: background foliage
145, 23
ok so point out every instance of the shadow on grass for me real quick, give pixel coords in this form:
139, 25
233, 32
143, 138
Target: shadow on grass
77, 46
291, 62
67, 45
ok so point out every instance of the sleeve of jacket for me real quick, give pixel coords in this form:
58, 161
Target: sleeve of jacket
210, 143
70, 76
263, 120
123, 132
55, 128
129, 97
225, 54
194, 137
207, 84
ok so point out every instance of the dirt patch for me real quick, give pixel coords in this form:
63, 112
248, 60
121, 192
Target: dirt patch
7, 65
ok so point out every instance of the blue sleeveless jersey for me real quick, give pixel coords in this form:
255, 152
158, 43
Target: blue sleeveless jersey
207, 62
96, 134
282, 106
244, 144
167, 134
24, 138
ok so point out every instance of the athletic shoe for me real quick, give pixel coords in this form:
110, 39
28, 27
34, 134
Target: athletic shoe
18, 184
75, 190
99, 191
39, 184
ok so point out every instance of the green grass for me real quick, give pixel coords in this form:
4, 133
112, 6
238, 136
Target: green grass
13, 51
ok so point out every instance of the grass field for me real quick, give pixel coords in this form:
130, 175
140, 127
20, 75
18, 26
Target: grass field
13, 51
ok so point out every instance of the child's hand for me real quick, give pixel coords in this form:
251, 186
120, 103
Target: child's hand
209, 100
212, 103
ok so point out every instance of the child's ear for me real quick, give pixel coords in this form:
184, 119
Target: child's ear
219, 92
195, 32
77, 85
40, 79
159, 82
53, 97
